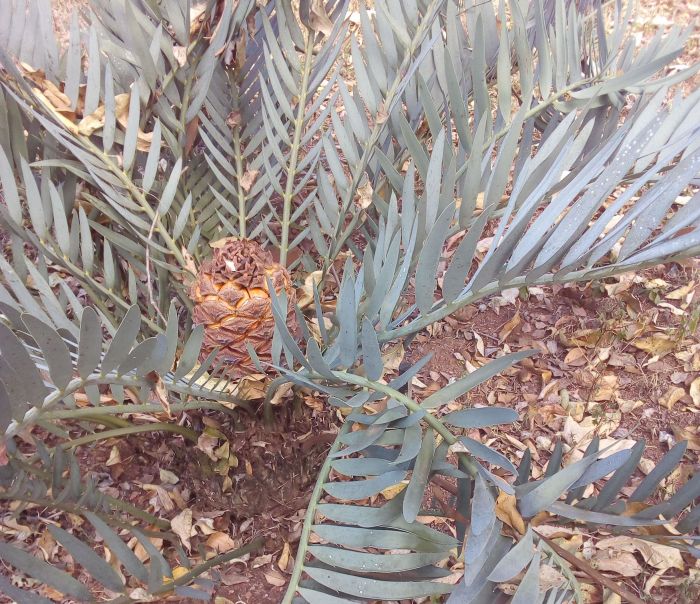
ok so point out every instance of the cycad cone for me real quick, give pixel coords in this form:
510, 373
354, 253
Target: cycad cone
233, 303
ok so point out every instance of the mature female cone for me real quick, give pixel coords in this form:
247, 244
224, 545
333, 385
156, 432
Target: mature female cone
233, 303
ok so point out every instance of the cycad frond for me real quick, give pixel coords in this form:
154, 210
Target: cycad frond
43, 367
365, 551
52, 479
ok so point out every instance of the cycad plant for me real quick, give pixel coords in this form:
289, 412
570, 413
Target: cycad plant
173, 160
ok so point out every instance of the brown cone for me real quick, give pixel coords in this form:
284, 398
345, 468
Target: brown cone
233, 303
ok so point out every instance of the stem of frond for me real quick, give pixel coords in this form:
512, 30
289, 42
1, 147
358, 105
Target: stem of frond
190, 435
310, 514
294, 151
242, 214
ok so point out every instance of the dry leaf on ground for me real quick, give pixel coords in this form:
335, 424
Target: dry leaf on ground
671, 397
181, 525
659, 556
221, 542
621, 563
656, 345
695, 391
285, 557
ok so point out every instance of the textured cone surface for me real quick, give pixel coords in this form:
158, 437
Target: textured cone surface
233, 303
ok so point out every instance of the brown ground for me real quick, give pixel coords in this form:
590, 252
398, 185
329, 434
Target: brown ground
590, 366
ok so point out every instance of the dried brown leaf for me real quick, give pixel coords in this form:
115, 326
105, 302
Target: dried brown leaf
365, 195
181, 525
605, 388
318, 18
507, 511
114, 457
685, 434
695, 391
657, 555
509, 327
621, 563
672, 396
248, 178
221, 542
274, 577
656, 345
285, 557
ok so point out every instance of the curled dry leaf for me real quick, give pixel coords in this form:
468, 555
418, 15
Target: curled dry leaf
587, 338
581, 433
552, 531
695, 391
507, 511
48, 92
646, 465
318, 18
47, 545
576, 357
624, 282
140, 551
191, 134
160, 393
197, 18
282, 393
672, 396
509, 327
3, 455
611, 597
627, 406
507, 297
285, 557
259, 561
205, 526
180, 54
141, 595
161, 499
95, 121
44, 100
114, 457
251, 388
